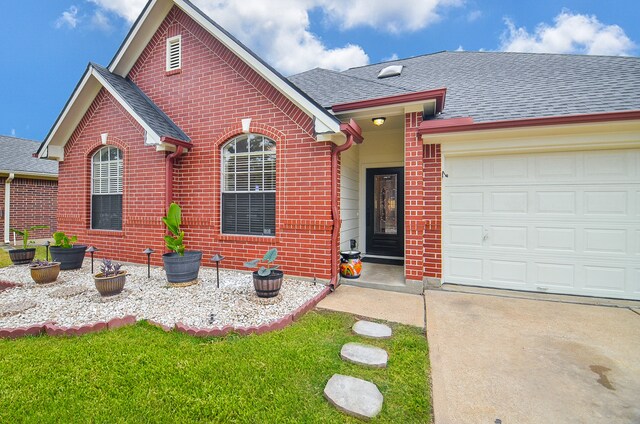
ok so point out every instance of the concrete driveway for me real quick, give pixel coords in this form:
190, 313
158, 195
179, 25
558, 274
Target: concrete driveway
532, 361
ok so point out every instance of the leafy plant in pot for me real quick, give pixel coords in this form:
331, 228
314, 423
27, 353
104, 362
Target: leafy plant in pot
26, 254
44, 272
111, 279
267, 280
64, 251
180, 265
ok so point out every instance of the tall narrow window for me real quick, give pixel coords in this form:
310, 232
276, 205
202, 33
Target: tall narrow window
174, 53
249, 186
106, 189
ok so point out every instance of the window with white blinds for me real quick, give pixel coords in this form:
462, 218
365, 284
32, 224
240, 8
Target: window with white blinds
174, 53
106, 189
249, 185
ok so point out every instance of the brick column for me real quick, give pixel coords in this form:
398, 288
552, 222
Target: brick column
432, 177
414, 201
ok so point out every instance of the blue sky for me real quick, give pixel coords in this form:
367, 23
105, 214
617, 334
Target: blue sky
49, 43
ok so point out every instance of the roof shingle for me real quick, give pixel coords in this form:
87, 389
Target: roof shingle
16, 155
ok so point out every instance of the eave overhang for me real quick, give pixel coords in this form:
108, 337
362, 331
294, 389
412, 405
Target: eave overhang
430, 103
78, 105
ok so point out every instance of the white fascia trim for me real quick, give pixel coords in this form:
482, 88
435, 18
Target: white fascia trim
63, 116
27, 174
151, 136
323, 123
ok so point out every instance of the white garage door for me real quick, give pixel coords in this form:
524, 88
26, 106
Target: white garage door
554, 222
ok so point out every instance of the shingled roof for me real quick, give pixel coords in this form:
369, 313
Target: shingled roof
16, 155
142, 105
491, 86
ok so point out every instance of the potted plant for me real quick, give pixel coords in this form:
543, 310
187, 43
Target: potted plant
110, 280
180, 265
64, 251
267, 280
44, 272
26, 254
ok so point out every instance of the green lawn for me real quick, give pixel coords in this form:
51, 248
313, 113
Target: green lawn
141, 374
5, 260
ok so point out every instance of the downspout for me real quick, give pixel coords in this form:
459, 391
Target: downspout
7, 206
354, 135
169, 161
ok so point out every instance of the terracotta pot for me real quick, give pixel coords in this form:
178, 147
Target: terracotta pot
45, 274
108, 286
268, 286
22, 256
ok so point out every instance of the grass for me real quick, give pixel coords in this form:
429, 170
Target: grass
5, 260
141, 374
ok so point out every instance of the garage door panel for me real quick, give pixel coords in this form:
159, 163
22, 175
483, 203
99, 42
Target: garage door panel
508, 237
555, 222
466, 202
555, 202
507, 272
465, 235
509, 202
606, 165
555, 275
605, 278
555, 239
611, 203
605, 241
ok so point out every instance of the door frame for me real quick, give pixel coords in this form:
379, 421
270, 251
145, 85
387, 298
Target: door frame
396, 169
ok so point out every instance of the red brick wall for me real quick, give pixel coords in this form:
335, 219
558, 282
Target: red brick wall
432, 169
207, 99
423, 199
33, 202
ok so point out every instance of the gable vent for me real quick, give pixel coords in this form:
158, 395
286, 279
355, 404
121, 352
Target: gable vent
390, 71
174, 53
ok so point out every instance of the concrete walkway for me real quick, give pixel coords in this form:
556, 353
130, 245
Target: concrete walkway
531, 361
384, 305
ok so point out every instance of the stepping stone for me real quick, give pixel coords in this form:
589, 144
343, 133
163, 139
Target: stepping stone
353, 396
372, 330
363, 354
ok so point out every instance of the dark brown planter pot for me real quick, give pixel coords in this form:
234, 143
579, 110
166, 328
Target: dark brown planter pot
45, 274
108, 286
268, 286
22, 256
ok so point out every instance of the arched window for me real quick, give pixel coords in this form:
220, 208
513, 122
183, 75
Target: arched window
106, 189
249, 185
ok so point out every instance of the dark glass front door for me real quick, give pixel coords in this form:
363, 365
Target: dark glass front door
385, 212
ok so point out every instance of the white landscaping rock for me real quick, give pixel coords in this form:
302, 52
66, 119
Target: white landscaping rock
202, 305
372, 330
363, 354
354, 396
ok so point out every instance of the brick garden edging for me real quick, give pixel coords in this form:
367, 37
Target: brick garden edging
51, 329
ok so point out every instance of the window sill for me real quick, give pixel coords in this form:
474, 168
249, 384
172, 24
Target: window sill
173, 72
109, 233
248, 239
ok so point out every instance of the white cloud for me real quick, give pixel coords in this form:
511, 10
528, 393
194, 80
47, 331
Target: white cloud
101, 21
474, 15
68, 18
393, 57
279, 30
460, 48
391, 15
13, 132
571, 33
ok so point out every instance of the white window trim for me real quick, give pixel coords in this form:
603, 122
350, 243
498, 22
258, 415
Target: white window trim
171, 41
98, 194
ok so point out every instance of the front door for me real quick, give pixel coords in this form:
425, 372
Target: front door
385, 212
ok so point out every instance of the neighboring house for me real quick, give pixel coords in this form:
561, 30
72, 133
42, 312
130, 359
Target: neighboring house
28, 189
493, 169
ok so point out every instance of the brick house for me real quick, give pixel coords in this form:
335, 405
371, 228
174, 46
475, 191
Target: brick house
28, 188
504, 170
